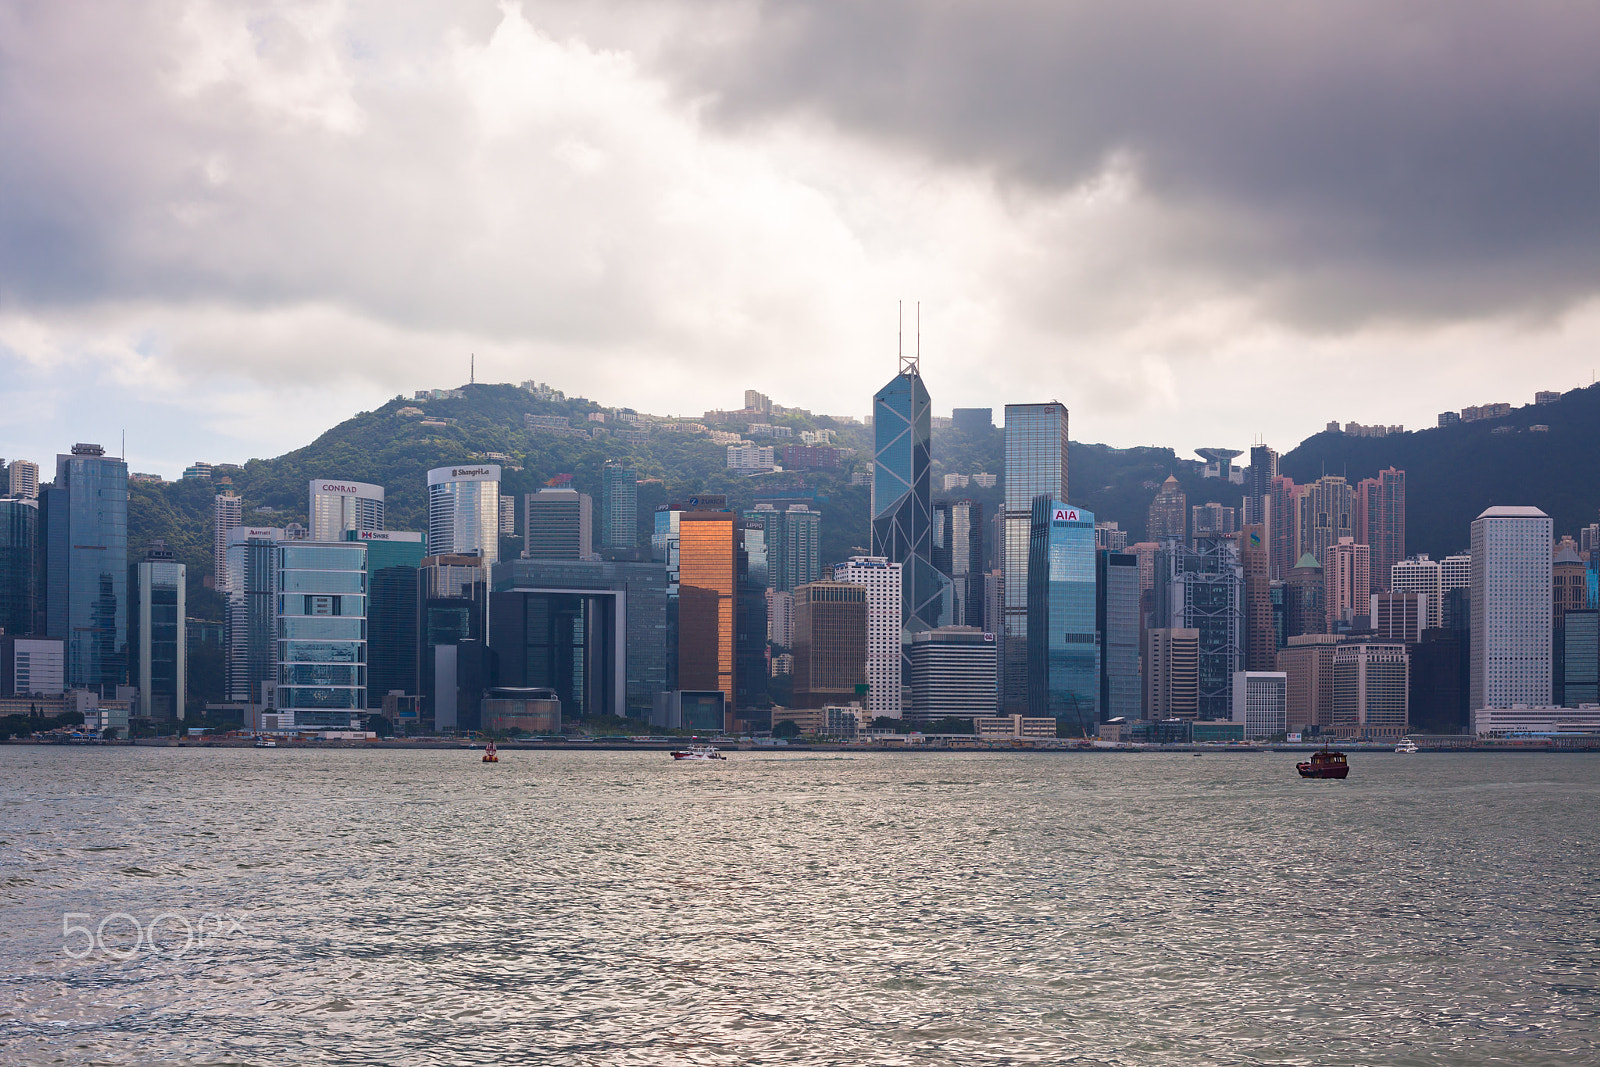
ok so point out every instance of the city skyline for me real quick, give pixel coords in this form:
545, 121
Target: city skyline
640, 207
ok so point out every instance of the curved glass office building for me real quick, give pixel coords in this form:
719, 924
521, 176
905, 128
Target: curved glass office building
464, 511
1063, 639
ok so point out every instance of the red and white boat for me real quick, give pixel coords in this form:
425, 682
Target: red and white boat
698, 752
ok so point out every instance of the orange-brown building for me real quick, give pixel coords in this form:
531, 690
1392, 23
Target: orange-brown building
707, 576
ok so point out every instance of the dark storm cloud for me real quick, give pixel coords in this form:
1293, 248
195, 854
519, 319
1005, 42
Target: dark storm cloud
1344, 161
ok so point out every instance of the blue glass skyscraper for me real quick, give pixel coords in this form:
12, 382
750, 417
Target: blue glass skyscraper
86, 566
1063, 639
902, 507
1036, 465
19, 566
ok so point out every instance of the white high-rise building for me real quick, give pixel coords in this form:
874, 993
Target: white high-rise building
24, 478
338, 506
1261, 702
1421, 575
1511, 624
882, 580
227, 513
464, 511
1455, 572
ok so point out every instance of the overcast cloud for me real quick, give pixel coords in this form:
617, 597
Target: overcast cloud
227, 226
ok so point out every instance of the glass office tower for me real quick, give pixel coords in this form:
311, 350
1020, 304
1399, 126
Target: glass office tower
707, 588
464, 511
19, 566
156, 640
1036, 465
86, 566
339, 506
1063, 639
392, 610
902, 508
619, 506
322, 633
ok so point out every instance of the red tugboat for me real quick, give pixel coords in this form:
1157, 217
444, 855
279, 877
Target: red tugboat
1324, 764
491, 754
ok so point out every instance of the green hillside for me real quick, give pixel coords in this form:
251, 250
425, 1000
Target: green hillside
396, 451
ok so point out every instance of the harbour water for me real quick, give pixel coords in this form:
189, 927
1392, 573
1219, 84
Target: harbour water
392, 907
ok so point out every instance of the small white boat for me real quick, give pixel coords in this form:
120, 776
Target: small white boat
262, 742
698, 752
1406, 745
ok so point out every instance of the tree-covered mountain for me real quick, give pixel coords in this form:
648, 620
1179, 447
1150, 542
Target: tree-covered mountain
1452, 473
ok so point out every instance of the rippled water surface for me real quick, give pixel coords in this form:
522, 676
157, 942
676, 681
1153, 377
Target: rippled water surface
393, 907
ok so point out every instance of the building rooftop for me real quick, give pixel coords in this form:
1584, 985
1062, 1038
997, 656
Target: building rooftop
1513, 511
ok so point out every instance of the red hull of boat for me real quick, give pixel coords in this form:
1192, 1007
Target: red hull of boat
1308, 771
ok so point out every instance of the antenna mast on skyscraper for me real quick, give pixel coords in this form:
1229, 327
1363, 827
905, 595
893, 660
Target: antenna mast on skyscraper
910, 364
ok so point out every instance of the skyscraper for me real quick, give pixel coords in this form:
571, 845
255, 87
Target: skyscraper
86, 566
23, 478
1381, 522
802, 545
1346, 582
958, 553
1117, 618
952, 674
884, 584
1327, 513
1258, 485
464, 511
19, 566
1304, 588
1171, 673
558, 525
1511, 633
227, 514
619, 506
1421, 575
321, 634
830, 642
1036, 466
393, 557
338, 505
1260, 637
1283, 513
252, 620
1063, 638
1169, 517
1203, 590
707, 581
1212, 520
902, 509
156, 640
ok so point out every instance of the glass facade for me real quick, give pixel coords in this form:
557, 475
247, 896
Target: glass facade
1063, 638
1036, 465
1203, 589
1117, 618
19, 566
902, 504
322, 631
464, 511
392, 562
619, 507
86, 572
156, 638
707, 579
601, 632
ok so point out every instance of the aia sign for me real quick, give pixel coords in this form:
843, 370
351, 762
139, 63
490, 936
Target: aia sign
1065, 515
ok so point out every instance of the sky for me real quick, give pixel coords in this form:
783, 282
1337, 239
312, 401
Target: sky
228, 226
